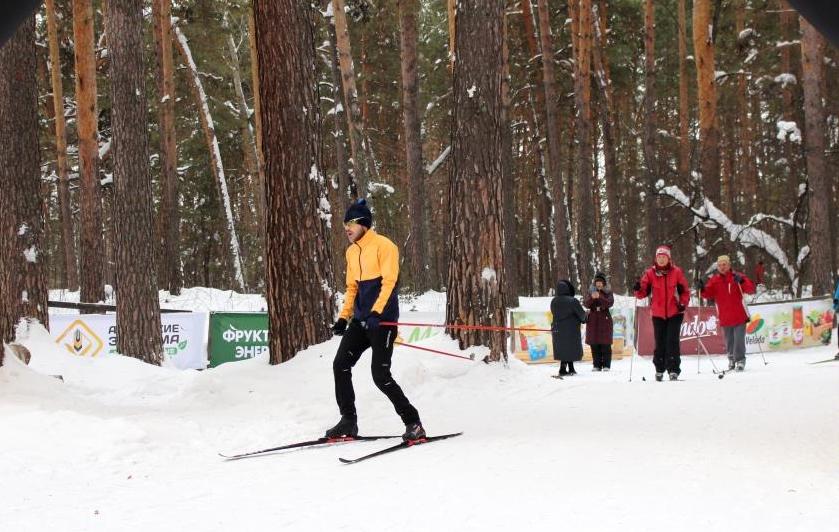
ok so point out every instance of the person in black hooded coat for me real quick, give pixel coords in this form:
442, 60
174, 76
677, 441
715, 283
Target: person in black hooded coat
568, 314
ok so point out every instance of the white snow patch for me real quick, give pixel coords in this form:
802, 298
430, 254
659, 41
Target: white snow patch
22, 229
31, 254
788, 130
471, 90
488, 275
786, 79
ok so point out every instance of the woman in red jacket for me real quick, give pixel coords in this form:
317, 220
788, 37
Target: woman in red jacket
668, 289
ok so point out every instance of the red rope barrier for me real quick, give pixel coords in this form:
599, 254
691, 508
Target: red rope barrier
470, 357
466, 327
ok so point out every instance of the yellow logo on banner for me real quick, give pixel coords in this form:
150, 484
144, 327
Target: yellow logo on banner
80, 340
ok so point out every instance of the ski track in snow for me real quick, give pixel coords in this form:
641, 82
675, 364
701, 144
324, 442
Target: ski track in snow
120, 445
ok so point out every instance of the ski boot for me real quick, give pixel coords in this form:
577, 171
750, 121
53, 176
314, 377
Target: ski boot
674, 376
413, 432
731, 364
659, 376
740, 365
347, 427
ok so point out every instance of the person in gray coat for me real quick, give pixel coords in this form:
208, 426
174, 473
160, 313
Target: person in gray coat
568, 314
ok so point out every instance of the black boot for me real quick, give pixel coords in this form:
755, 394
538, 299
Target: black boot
563, 371
571, 370
348, 426
413, 431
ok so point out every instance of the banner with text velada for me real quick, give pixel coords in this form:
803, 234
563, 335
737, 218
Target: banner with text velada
700, 328
789, 325
96, 335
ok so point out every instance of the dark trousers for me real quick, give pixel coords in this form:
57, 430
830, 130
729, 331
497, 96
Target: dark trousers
601, 355
667, 355
355, 341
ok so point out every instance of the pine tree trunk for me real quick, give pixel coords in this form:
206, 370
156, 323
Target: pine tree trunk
68, 257
709, 136
654, 220
170, 268
553, 162
451, 8
476, 267
684, 102
609, 118
361, 173
346, 186
92, 257
508, 188
584, 177
300, 307
818, 225
216, 163
23, 285
416, 244
257, 116
747, 171
138, 307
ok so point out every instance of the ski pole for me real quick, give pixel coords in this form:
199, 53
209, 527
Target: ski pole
465, 327
412, 346
634, 340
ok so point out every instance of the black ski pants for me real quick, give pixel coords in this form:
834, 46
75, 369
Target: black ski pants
667, 357
601, 355
356, 340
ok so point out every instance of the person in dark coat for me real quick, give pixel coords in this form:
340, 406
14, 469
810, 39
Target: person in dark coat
568, 314
599, 323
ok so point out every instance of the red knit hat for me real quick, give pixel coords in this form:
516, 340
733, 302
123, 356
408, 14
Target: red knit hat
663, 249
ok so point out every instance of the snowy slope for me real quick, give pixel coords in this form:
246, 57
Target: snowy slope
119, 445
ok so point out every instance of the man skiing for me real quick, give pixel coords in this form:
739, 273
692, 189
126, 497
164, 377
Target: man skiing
727, 288
372, 284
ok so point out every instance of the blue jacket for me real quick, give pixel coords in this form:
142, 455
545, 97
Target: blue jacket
836, 298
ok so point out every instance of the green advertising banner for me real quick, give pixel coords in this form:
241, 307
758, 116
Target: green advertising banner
237, 336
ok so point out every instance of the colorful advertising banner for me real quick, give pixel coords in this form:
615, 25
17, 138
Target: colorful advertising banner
96, 334
537, 347
789, 325
414, 333
237, 336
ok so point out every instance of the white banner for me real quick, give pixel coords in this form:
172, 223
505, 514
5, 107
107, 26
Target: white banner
93, 335
789, 325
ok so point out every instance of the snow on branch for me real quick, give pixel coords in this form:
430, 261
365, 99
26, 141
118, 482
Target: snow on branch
745, 235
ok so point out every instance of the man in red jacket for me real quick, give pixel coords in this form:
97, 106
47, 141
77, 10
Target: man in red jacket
666, 285
727, 288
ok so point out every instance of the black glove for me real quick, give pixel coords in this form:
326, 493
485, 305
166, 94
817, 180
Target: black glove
738, 278
680, 289
372, 321
340, 327
637, 286
680, 307
699, 284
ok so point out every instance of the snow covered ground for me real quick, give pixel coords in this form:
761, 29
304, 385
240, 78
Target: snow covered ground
122, 446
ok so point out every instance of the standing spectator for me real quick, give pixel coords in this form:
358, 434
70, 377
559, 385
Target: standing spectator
599, 323
835, 310
727, 288
668, 289
568, 314
759, 272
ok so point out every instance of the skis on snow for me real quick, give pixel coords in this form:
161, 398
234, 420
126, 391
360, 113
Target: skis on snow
834, 359
310, 443
403, 445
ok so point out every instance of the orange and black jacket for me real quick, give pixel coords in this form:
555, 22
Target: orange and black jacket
372, 278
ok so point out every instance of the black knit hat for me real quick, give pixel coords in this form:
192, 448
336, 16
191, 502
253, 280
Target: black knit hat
600, 276
360, 212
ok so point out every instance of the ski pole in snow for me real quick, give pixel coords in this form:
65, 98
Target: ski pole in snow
466, 327
412, 346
